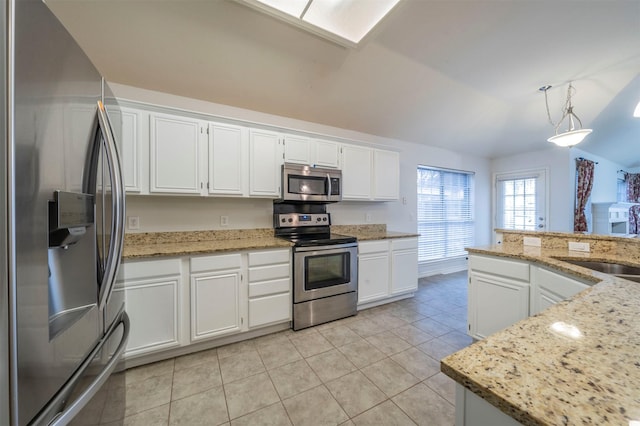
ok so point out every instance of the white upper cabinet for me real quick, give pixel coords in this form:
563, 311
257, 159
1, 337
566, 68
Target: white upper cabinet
297, 149
326, 153
386, 176
174, 154
312, 152
356, 172
131, 127
228, 147
265, 163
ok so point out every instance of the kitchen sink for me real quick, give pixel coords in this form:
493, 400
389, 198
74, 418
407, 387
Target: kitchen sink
623, 271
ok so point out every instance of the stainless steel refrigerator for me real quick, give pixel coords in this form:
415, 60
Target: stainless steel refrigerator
61, 222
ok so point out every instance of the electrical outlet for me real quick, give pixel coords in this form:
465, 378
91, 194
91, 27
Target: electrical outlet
133, 222
224, 220
575, 246
367, 218
532, 241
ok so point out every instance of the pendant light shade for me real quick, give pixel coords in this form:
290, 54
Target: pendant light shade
572, 136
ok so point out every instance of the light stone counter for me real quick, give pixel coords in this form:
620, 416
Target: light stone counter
540, 376
198, 242
369, 232
158, 244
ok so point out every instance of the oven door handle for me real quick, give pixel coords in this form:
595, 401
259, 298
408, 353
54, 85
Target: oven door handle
326, 247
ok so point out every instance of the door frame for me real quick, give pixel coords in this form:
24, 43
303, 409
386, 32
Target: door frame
516, 174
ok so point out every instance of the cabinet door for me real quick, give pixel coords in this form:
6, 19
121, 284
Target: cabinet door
297, 149
356, 172
386, 175
227, 160
549, 288
373, 277
174, 158
130, 129
404, 266
215, 304
327, 154
265, 162
154, 326
495, 303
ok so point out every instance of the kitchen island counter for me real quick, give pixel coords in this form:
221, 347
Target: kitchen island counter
576, 362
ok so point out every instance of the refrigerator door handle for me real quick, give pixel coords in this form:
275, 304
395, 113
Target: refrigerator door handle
116, 241
74, 407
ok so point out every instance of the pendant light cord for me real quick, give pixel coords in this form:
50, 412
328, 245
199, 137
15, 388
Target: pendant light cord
567, 110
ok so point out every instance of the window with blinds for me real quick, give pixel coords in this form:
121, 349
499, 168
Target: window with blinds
445, 213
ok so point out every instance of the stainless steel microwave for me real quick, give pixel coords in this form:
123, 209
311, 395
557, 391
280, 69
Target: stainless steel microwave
311, 184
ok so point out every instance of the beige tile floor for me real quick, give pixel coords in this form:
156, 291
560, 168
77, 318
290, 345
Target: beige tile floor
380, 367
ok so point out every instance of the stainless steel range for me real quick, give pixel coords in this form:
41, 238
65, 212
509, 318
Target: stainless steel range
325, 265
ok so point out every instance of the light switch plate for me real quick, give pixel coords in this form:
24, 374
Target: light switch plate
575, 246
224, 220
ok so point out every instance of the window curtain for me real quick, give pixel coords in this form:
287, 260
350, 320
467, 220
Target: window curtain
633, 196
633, 187
584, 175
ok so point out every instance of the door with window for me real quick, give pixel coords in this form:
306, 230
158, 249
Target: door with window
521, 202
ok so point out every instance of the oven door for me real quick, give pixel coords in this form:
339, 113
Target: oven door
324, 271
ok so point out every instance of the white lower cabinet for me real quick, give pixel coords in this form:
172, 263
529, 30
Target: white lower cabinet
504, 291
404, 265
549, 287
216, 294
387, 268
174, 303
152, 300
269, 287
498, 294
373, 271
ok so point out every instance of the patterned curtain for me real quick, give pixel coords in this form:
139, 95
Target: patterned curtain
584, 176
633, 196
633, 187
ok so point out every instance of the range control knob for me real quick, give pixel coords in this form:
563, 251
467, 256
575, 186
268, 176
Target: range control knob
324, 219
290, 220
284, 220
318, 219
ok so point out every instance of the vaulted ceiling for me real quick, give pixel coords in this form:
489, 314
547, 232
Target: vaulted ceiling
462, 75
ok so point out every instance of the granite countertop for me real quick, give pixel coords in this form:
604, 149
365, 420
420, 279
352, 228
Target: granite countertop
163, 244
541, 376
369, 232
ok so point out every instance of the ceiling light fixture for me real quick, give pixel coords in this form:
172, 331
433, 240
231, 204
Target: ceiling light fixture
345, 22
572, 136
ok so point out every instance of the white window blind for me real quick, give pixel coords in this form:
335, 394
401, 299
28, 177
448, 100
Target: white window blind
445, 213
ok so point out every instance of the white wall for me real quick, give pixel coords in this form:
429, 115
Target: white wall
560, 181
605, 176
161, 213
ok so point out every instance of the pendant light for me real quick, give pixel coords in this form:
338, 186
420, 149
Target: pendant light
572, 136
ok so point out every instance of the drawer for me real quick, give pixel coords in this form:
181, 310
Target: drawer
500, 266
269, 257
149, 269
373, 246
216, 263
264, 288
269, 272
404, 244
269, 310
